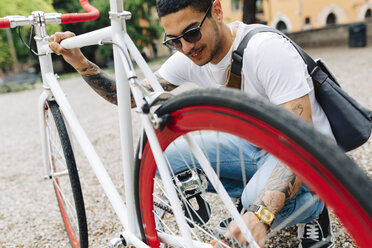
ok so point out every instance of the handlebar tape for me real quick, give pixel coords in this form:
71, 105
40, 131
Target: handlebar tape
4, 23
92, 14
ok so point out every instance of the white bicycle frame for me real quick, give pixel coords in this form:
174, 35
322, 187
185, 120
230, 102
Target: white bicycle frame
126, 82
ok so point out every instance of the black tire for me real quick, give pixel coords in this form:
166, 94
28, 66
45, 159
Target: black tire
326, 170
67, 186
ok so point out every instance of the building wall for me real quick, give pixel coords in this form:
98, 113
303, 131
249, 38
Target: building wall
293, 13
231, 14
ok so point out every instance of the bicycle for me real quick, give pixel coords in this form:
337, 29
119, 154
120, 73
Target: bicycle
150, 209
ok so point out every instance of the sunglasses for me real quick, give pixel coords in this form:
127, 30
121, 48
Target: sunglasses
192, 35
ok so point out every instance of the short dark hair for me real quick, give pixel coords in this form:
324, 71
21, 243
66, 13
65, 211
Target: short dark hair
165, 7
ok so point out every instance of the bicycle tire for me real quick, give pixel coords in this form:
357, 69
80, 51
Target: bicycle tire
66, 186
309, 154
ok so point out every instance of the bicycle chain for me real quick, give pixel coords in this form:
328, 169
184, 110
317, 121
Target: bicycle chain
220, 236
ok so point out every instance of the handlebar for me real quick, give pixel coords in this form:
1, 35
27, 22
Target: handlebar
92, 14
4, 23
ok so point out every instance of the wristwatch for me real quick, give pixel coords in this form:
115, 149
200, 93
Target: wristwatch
262, 213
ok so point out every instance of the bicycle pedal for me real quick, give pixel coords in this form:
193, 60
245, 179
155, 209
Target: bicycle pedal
191, 182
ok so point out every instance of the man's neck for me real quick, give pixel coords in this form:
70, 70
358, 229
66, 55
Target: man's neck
227, 38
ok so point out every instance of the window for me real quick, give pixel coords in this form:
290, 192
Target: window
281, 26
259, 6
368, 15
331, 19
236, 5
307, 25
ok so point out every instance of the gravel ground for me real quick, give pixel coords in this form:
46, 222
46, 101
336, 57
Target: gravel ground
29, 216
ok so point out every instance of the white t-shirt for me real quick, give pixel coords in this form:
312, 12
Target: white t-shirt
272, 68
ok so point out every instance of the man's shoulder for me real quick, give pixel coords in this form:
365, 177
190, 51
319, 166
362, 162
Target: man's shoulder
259, 41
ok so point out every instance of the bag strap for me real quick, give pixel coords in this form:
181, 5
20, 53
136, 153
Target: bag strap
237, 56
314, 69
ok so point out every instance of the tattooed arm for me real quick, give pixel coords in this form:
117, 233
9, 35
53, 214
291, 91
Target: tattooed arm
164, 83
100, 81
282, 185
106, 86
92, 74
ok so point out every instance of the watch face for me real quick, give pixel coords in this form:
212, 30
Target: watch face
266, 216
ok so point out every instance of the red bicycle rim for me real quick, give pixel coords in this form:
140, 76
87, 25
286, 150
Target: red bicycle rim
313, 173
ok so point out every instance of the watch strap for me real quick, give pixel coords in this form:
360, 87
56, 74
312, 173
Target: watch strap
253, 208
256, 210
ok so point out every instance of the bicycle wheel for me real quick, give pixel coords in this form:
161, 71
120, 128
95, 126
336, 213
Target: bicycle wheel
322, 166
64, 176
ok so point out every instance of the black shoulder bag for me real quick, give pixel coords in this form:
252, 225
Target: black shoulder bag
351, 123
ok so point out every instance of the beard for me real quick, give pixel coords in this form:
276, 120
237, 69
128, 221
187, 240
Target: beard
215, 46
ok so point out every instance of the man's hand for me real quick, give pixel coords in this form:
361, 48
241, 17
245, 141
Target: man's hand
72, 56
257, 229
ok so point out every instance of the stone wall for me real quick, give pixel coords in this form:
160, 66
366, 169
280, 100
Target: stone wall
328, 36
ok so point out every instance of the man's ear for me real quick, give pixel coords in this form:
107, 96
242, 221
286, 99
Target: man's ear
217, 11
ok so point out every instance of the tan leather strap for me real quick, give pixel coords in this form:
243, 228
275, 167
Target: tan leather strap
234, 81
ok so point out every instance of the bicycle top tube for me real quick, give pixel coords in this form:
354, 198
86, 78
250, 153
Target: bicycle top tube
14, 21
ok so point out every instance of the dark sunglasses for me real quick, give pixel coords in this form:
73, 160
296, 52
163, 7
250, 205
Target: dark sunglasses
192, 35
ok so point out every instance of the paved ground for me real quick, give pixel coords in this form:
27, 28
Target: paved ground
29, 216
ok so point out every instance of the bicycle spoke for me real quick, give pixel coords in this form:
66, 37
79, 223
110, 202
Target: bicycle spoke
208, 232
218, 170
166, 226
242, 166
197, 223
70, 206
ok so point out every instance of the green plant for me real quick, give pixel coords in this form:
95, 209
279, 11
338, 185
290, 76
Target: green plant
25, 8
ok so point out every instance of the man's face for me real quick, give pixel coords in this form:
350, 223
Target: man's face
202, 51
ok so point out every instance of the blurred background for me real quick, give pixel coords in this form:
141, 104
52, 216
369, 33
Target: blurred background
310, 23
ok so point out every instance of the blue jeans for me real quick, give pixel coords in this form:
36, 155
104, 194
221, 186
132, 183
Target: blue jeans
258, 166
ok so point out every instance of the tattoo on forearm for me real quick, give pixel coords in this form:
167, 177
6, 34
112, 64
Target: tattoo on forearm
99, 81
166, 85
106, 86
280, 188
298, 109
91, 68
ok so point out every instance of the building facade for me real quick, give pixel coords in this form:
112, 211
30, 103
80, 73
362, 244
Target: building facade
298, 15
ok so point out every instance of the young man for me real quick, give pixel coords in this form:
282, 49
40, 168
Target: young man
272, 69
